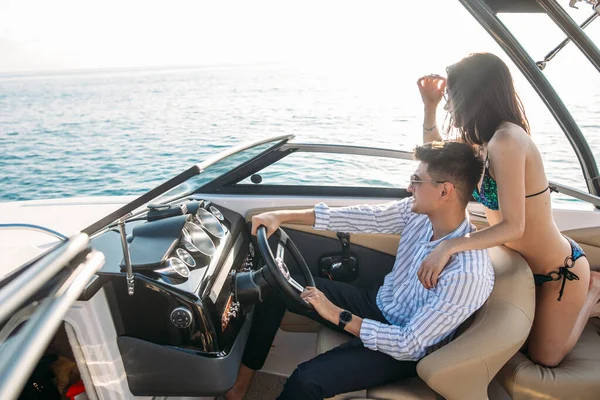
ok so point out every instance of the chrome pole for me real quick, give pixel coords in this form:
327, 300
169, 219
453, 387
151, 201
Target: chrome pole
557, 49
127, 258
572, 30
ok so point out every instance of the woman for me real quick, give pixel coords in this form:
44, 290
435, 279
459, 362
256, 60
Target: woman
484, 107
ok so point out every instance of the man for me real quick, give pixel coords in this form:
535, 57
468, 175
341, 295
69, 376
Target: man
400, 322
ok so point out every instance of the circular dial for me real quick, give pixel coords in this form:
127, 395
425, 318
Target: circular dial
210, 223
196, 240
181, 317
174, 268
215, 211
186, 257
179, 266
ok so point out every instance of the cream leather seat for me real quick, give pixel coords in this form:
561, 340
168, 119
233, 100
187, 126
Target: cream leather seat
463, 369
576, 378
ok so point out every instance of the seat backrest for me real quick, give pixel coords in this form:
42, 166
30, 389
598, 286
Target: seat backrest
464, 368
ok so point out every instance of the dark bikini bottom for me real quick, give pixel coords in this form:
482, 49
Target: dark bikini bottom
563, 272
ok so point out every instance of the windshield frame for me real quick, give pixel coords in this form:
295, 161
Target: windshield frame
228, 184
127, 210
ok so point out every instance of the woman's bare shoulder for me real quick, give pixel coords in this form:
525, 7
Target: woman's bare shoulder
510, 137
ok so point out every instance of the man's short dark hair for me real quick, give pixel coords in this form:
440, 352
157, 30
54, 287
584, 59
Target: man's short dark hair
454, 162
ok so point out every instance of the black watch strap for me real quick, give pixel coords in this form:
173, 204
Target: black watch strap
345, 318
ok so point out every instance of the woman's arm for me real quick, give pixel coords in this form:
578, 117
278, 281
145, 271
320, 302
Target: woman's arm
507, 154
431, 88
431, 132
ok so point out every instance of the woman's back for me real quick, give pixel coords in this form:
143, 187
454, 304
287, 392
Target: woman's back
541, 244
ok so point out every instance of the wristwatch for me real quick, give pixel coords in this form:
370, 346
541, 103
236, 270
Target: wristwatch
345, 318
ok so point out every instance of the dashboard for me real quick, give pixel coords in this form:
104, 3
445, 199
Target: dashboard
182, 331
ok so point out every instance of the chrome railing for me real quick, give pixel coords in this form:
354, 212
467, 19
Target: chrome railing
27, 345
345, 149
22, 287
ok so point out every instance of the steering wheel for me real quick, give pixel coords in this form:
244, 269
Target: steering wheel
276, 272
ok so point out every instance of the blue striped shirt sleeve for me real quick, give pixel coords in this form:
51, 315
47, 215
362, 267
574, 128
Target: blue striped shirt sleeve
457, 296
383, 218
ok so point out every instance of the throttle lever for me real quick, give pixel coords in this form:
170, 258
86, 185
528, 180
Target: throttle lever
345, 240
340, 267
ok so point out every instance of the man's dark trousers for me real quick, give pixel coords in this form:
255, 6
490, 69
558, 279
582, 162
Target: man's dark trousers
346, 368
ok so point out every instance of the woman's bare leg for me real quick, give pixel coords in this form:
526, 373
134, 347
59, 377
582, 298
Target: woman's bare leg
596, 310
242, 383
590, 307
557, 324
595, 288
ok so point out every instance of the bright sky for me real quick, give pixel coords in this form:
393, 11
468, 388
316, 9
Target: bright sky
38, 35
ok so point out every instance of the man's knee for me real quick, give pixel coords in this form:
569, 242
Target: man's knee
303, 384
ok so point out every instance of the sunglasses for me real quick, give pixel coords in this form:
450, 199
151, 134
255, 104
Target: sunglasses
415, 180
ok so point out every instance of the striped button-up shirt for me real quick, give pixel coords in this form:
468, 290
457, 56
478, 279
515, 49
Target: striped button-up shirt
420, 320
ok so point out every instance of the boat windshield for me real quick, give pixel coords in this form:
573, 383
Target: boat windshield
188, 181
214, 171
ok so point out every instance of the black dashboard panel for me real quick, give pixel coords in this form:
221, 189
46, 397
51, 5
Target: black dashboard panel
193, 318
188, 374
153, 241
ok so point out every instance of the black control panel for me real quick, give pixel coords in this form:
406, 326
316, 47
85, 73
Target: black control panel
182, 332
181, 297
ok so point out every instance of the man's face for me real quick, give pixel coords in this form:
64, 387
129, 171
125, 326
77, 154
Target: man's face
425, 190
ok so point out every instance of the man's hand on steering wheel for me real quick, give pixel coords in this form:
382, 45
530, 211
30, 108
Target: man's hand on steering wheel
322, 305
269, 219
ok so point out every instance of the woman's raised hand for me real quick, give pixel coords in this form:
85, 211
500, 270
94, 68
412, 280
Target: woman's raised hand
432, 88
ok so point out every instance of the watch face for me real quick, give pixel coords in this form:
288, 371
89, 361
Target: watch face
345, 316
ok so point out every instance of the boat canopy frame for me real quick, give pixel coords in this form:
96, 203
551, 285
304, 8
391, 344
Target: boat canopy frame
486, 13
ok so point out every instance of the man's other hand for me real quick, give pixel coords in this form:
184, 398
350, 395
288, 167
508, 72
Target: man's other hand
321, 303
433, 265
269, 219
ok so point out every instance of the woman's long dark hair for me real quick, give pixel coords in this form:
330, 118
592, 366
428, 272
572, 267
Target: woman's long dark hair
483, 96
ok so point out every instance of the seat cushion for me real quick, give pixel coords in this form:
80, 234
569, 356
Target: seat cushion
406, 389
576, 378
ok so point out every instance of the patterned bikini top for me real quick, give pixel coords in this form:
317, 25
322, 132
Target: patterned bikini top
488, 194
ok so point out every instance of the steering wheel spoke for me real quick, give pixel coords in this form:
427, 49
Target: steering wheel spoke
280, 255
276, 271
283, 268
295, 285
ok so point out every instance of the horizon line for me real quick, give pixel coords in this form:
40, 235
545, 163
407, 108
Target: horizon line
90, 70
